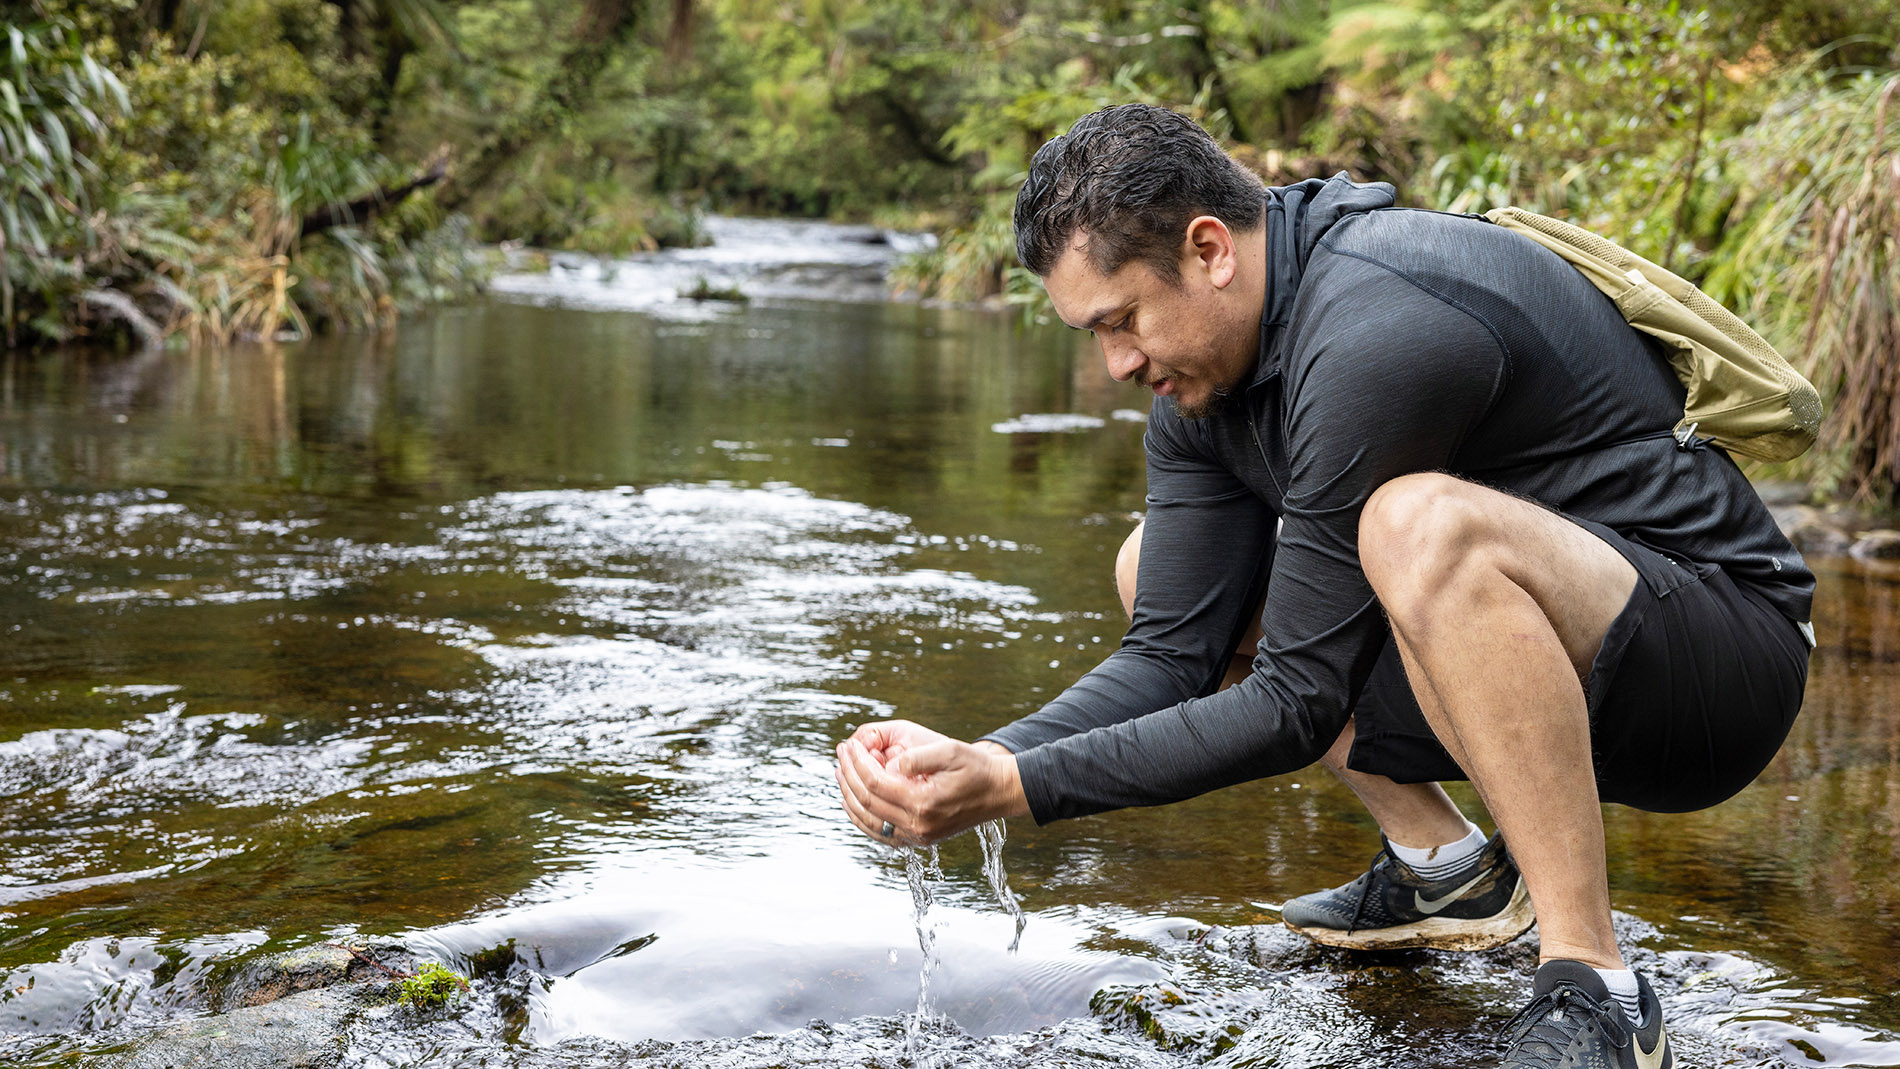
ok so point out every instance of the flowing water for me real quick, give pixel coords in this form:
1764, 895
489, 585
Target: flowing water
992, 834
923, 868
524, 635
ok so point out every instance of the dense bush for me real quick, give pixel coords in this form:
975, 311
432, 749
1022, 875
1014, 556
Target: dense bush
219, 194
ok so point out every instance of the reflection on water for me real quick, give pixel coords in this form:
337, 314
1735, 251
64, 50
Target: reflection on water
524, 635
699, 952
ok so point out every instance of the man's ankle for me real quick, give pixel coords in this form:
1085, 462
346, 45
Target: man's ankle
1440, 859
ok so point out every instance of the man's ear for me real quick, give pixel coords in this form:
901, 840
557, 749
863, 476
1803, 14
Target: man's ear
1209, 247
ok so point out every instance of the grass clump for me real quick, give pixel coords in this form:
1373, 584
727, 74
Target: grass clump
432, 986
704, 290
1814, 261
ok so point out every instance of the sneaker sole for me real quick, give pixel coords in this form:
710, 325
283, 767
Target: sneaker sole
1436, 933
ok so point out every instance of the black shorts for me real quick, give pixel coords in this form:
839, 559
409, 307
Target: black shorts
1694, 689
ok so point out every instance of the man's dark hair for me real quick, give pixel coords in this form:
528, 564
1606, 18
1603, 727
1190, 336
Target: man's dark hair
1131, 177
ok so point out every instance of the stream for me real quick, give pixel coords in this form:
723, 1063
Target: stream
523, 635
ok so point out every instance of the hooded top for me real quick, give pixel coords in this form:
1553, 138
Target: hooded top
1297, 217
1392, 341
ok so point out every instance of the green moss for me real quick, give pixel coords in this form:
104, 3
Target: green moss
433, 985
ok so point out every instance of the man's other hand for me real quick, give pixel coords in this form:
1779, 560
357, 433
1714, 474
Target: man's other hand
923, 785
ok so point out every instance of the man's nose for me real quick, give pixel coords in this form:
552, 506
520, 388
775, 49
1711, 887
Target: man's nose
1124, 361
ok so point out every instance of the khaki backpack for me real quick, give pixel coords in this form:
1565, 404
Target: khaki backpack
1742, 394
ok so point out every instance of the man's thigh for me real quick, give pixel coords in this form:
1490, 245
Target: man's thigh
1691, 692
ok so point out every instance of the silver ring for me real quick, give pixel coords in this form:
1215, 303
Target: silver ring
889, 829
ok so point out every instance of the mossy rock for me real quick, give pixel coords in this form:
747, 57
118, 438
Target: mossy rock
309, 968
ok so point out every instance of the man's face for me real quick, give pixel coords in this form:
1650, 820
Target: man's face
1179, 340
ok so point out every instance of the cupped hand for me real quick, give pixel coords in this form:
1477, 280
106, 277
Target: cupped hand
925, 784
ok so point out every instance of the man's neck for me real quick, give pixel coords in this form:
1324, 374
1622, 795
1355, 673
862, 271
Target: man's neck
1251, 270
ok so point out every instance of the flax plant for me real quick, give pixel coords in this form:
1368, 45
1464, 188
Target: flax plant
255, 291
1815, 258
52, 95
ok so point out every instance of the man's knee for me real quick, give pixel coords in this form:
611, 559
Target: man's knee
1431, 542
1417, 530
1127, 567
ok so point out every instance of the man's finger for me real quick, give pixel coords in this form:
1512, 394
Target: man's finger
875, 779
855, 810
887, 740
924, 760
868, 810
851, 774
870, 736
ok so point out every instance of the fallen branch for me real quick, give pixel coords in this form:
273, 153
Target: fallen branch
366, 207
112, 302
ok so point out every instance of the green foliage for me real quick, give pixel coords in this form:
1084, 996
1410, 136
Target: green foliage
432, 986
221, 194
54, 98
1608, 113
704, 290
248, 167
971, 263
1815, 259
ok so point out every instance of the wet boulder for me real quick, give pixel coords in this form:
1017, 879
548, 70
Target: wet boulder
312, 967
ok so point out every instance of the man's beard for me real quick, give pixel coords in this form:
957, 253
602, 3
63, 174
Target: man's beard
1215, 401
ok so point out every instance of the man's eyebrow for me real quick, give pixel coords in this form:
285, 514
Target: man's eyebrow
1096, 319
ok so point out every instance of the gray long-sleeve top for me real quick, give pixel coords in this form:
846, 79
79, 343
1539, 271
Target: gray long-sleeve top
1394, 341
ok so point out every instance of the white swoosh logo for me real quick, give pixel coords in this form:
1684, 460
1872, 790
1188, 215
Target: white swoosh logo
1429, 906
1655, 1058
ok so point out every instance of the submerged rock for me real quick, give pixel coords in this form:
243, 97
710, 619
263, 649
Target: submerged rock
290, 1009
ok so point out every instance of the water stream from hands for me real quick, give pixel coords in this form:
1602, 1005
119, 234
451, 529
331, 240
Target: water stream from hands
922, 868
992, 834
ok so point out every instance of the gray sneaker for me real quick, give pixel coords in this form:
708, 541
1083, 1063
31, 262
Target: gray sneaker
1480, 906
1572, 1020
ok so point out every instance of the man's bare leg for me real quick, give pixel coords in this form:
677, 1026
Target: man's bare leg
1499, 608
1412, 814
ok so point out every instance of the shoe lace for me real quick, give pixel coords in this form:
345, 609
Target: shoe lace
1364, 884
1541, 1032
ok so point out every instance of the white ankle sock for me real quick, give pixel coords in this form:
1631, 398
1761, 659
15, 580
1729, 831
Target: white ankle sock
1622, 985
1433, 862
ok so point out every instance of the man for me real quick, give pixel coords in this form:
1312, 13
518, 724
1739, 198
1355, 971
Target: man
1492, 561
